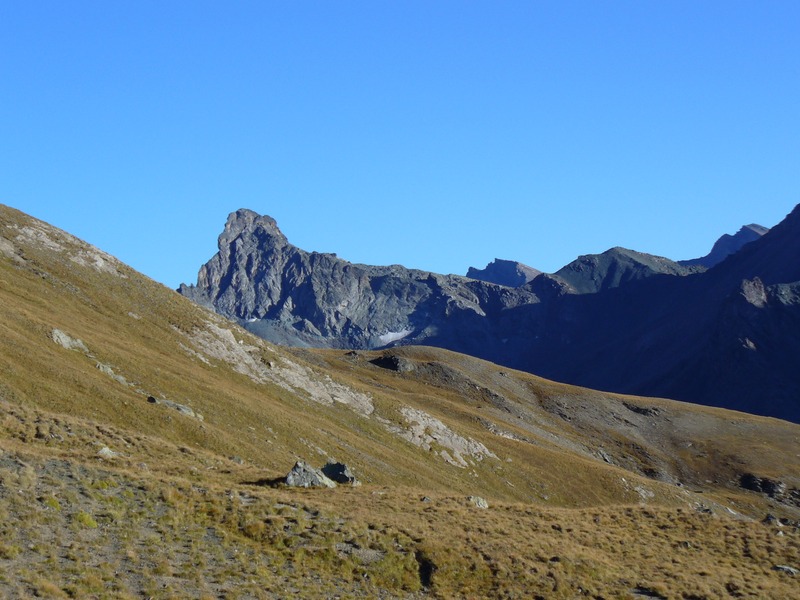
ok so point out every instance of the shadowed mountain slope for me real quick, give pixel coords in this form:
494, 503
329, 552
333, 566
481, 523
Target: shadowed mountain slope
726, 337
143, 440
614, 268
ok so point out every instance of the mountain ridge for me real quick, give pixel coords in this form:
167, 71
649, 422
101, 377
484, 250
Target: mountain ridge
667, 318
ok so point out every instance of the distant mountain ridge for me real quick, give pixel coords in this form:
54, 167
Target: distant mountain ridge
621, 320
635, 265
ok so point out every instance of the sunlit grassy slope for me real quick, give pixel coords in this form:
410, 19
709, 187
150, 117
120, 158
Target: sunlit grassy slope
142, 438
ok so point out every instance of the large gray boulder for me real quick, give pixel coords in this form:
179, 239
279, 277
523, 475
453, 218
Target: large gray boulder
340, 473
303, 475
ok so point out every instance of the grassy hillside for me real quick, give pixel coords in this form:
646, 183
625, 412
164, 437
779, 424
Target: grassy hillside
142, 440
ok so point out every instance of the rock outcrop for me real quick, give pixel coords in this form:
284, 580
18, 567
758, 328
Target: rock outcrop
478, 502
333, 473
66, 341
765, 485
303, 475
340, 473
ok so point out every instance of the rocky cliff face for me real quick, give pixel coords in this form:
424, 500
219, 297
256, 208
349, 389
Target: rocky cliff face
287, 295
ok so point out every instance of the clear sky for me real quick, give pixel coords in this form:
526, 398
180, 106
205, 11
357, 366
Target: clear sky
434, 134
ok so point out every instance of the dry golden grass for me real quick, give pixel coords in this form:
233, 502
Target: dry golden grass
166, 534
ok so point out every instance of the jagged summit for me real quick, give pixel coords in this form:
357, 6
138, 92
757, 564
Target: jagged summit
504, 272
244, 220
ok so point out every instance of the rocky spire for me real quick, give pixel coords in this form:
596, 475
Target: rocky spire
247, 222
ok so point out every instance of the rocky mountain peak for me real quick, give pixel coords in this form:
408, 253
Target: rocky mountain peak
617, 266
247, 221
291, 296
504, 272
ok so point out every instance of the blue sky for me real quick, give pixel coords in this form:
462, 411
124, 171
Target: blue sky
438, 135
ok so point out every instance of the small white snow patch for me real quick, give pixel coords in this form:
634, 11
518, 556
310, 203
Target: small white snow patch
393, 336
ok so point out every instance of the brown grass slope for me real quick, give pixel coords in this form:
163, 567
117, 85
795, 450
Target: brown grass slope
139, 432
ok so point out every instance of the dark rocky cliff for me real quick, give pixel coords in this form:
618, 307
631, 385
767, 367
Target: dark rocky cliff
288, 295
